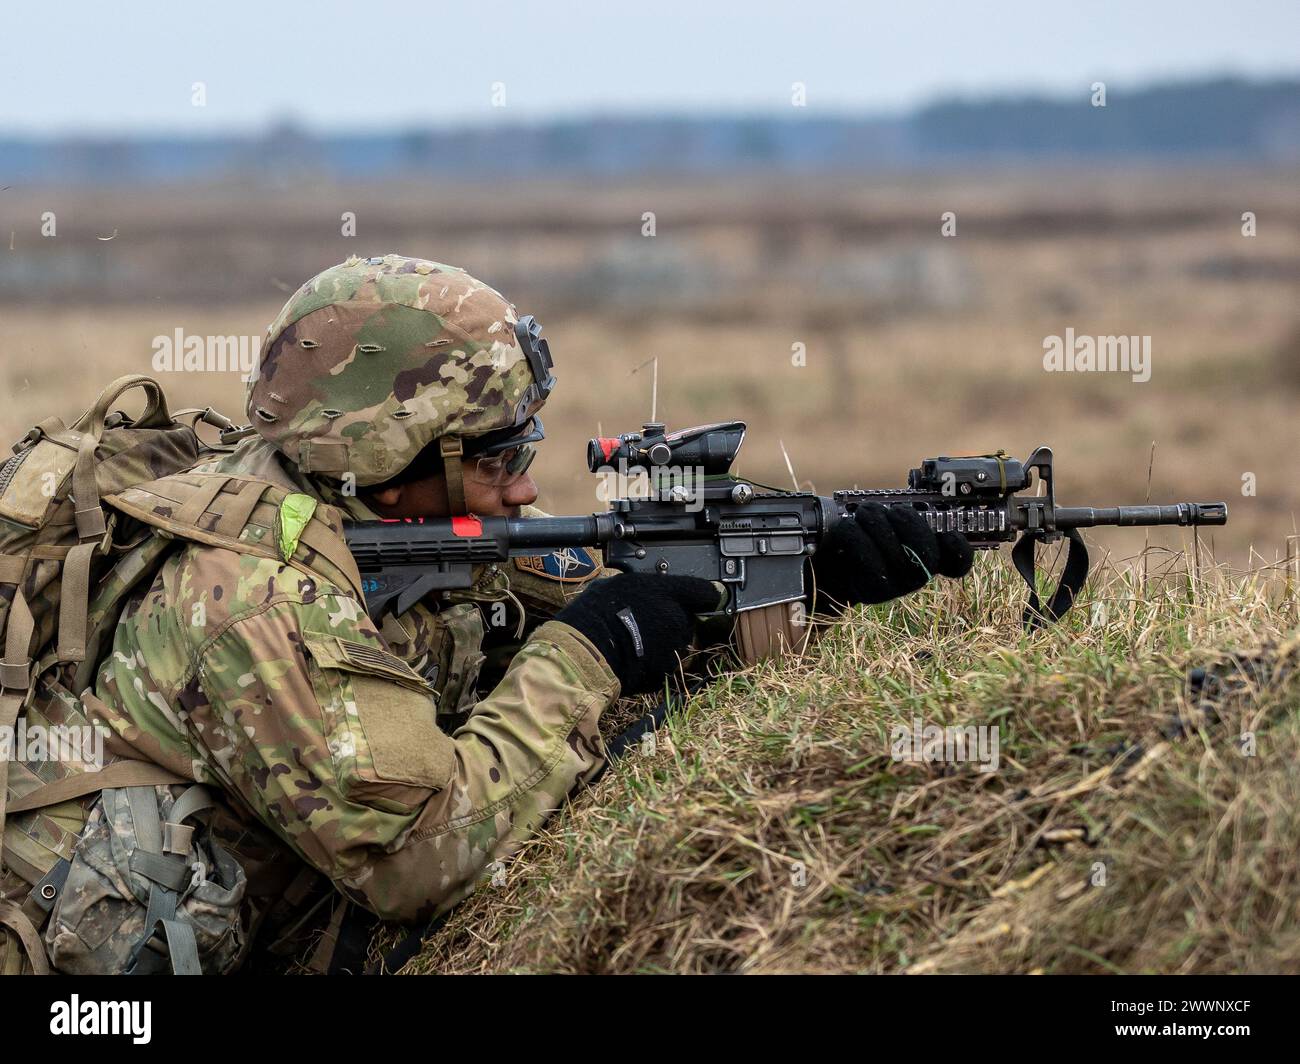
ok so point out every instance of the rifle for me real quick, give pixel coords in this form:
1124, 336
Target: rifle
697, 518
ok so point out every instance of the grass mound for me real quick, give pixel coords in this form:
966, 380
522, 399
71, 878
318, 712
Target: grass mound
1134, 823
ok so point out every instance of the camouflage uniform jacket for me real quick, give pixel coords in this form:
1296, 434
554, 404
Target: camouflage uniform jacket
244, 673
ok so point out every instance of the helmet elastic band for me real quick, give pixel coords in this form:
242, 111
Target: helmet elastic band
451, 449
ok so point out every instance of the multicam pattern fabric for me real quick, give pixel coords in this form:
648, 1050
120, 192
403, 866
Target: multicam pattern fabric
244, 672
373, 359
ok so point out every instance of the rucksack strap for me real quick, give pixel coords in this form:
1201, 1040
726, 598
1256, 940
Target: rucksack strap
322, 955
117, 775
11, 915
88, 512
182, 948
155, 414
167, 873
17, 921
11, 705
215, 508
16, 666
49, 428
74, 602
197, 504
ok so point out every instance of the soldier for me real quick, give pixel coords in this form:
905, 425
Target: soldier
396, 387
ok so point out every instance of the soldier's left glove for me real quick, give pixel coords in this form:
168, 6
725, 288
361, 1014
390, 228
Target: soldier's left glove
882, 552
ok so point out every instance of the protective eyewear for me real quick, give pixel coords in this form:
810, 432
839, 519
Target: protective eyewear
495, 462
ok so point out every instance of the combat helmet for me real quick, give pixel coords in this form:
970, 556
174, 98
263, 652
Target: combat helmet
373, 360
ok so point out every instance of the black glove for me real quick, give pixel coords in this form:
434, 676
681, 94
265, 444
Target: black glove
639, 621
863, 557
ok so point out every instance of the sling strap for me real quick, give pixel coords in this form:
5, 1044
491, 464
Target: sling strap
1071, 583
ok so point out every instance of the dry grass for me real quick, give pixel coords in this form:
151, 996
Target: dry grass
771, 831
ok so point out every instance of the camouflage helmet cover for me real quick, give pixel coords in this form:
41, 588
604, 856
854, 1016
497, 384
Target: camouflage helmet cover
374, 359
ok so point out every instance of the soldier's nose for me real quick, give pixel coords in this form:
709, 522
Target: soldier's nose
520, 492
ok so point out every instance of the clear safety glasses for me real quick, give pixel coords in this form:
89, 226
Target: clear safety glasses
496, 464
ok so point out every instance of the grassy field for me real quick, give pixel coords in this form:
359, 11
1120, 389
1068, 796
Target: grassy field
1134, 823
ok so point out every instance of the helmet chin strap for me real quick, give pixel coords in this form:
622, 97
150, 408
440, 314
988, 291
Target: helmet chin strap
451, 449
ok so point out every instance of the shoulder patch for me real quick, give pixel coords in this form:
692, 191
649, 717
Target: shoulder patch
571, 565
335, 652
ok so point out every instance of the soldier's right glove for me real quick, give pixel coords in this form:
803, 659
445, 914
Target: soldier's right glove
882, 552
639, 622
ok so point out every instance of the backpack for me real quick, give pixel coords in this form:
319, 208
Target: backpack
87, 514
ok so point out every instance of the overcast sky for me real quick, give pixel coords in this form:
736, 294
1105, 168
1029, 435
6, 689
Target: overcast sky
92, 65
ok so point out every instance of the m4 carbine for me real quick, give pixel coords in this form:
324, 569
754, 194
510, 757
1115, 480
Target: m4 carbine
696, 518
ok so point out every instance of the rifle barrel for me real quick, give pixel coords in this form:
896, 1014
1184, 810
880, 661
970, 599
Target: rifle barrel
1179, 513
538, 533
